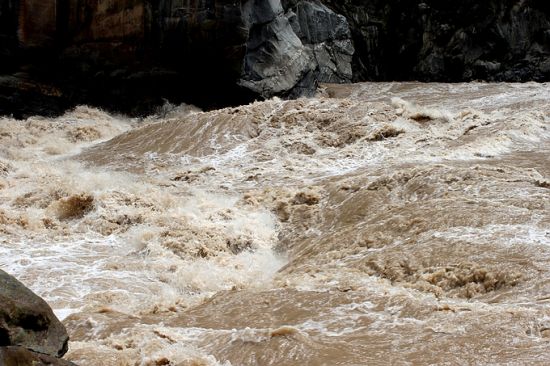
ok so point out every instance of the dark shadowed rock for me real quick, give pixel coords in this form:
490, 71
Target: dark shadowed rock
28, 321
19, 356
446, 40
128, 55
131, 55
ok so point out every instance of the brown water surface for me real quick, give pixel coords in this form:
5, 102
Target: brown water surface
379, 223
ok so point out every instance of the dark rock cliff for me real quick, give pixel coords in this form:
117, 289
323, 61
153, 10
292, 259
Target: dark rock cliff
446, 40
129, 55
291, 46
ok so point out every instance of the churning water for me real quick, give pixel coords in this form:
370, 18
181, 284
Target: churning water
379, 223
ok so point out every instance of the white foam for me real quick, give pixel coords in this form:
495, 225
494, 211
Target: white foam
62, 313
508, 235
131, 267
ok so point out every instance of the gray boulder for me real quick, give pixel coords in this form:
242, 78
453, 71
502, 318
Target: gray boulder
276, 60
28, 321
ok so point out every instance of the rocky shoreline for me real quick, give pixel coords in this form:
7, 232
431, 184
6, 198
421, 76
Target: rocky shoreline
30, 333
131, 55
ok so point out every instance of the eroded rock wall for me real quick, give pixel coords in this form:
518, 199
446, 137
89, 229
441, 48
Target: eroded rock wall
293, 45
131, 55
434, 40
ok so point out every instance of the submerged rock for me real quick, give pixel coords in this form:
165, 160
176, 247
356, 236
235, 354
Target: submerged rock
28, 321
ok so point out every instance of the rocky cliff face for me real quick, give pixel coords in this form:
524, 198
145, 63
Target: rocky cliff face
293, 45
435, 40
128, 55
132, 53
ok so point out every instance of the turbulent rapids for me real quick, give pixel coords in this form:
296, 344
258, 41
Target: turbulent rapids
378, 223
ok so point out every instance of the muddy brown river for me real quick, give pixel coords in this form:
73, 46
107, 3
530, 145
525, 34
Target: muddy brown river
376, 224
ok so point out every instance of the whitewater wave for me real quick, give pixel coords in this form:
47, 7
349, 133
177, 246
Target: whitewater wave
379, 221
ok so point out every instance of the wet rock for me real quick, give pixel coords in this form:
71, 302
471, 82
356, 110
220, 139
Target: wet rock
276, 60
329, 36
28, 321
294, 45
20, 356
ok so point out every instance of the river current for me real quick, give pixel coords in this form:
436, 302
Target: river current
376, 224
